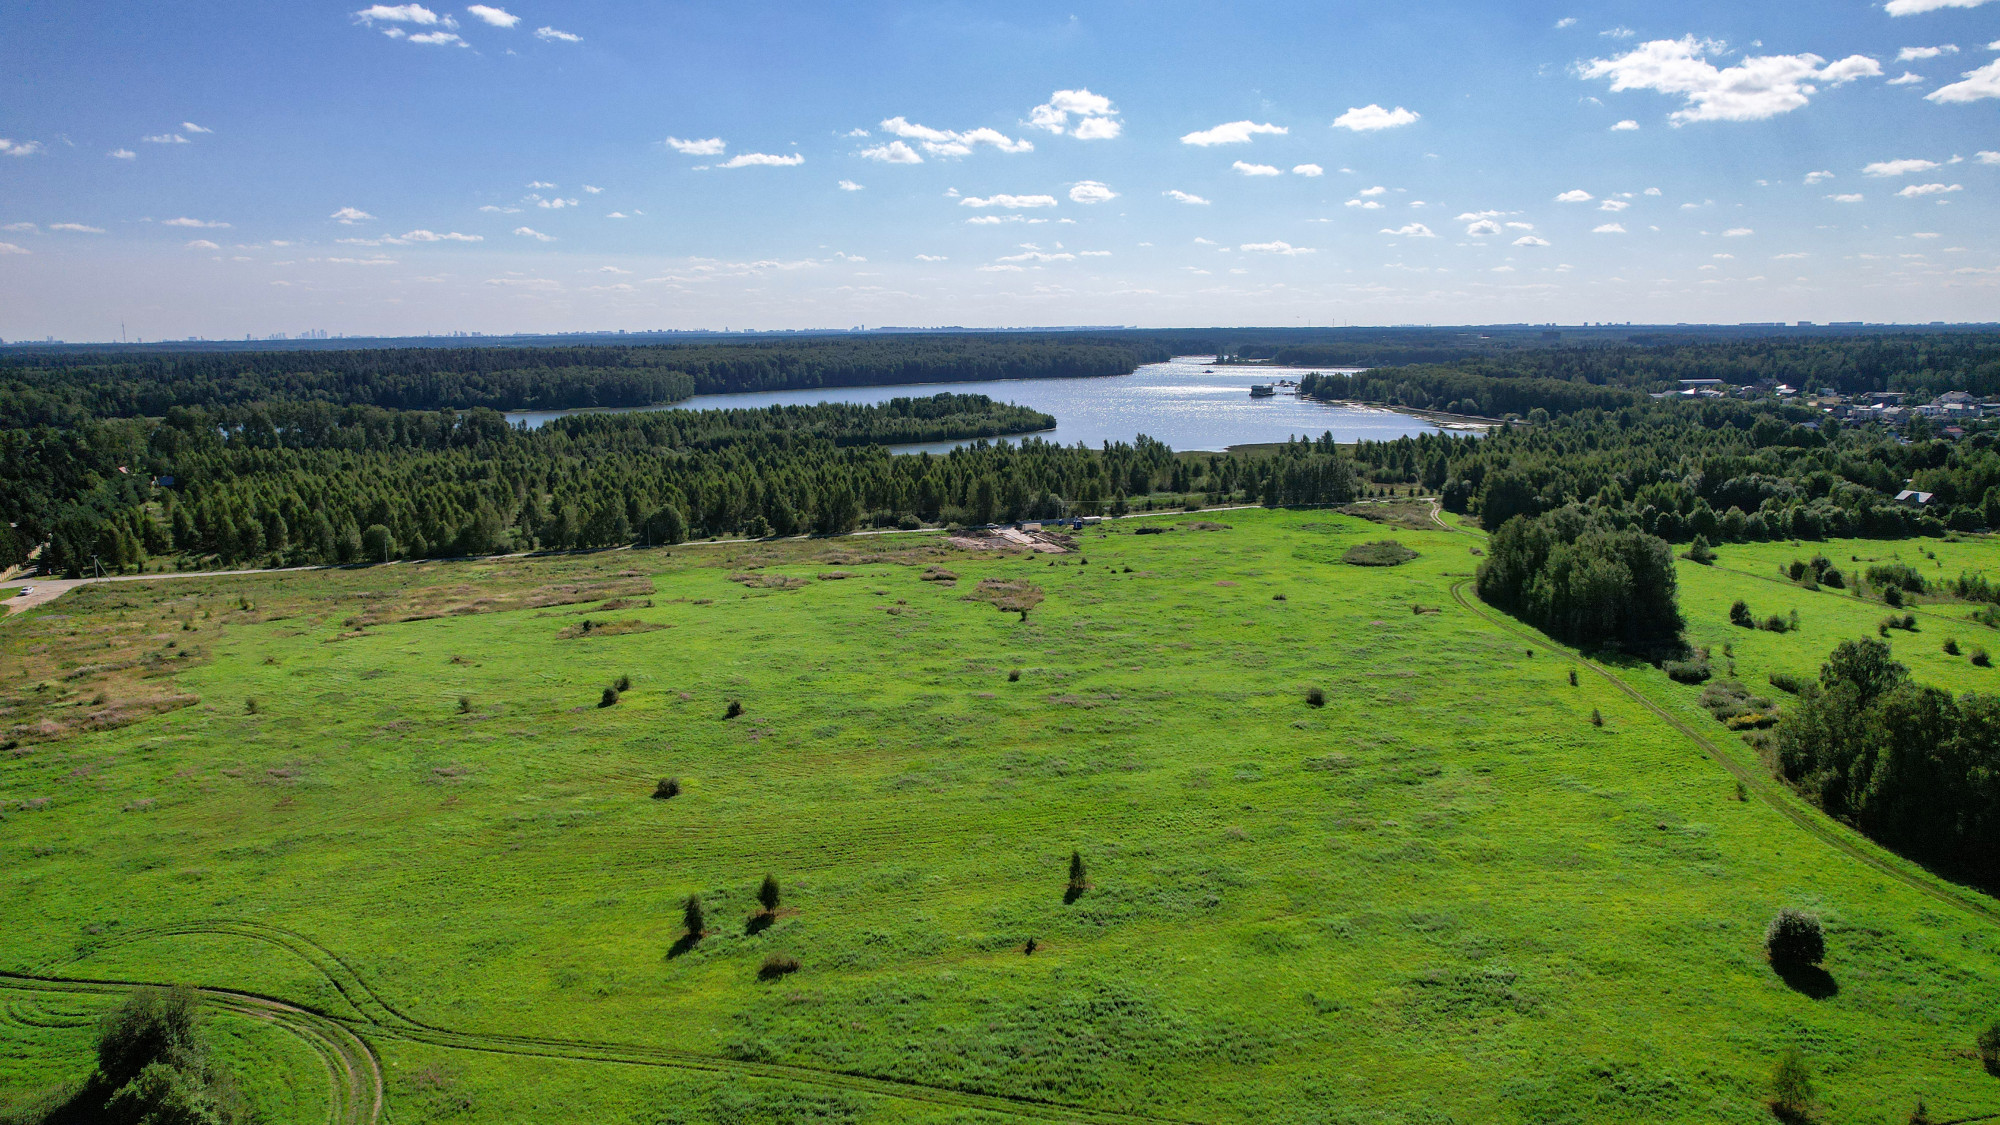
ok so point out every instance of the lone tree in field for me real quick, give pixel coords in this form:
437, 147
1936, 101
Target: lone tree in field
1794, 939
693, 919
1791, 1087
1076, 874
768, 895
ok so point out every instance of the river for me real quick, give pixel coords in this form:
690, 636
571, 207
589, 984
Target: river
1184, 402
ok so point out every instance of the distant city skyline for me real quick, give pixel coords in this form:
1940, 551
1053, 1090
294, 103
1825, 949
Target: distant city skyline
403, 169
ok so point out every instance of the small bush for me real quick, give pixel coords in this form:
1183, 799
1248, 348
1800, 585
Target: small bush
464, 704
767, 894
1596, 717
1980, 659
1387, 552
1791, 1087
1894, 596
734, 709
667, 789
1832, 577
1989, 1047
250, 706
1076, 872
1739, 615
1775, 624
1786, 682
1315, 697
1688, 671
609, 698
1572, 677
777, 965
1951, 646
1152, 530
1795, 939
1014, 676
623, 684
1699, 551
693, 919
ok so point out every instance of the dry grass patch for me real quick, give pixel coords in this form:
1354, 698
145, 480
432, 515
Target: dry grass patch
1013, 595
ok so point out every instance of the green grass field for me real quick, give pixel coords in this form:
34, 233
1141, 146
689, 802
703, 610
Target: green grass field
1445, 896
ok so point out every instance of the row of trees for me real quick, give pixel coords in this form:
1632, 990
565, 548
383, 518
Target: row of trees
1911, 765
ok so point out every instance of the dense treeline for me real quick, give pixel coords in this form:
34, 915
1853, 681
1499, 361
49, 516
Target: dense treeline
1466, 390
1908, 764
65, 389
1582, 578
1723, 469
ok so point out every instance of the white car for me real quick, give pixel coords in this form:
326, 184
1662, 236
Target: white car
25, 591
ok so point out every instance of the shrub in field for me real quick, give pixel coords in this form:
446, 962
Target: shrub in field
609, 698
1387, 552
623, 684
1989, 1047
1951, 646
1572, 677
1894, 596
1775, 624
1315, 697
1688, 671
1077, 879
667, 789
1596, 717
153, 1066
1980, 659
1832, 577
1739, 615
1786, 682
1014, 676
464, 704
767, 894
250, 706
1791, 1088
777, 965
1699, 551
693, 920
734, 709
1795, 939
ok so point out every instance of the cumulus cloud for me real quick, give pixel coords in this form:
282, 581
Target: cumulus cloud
1898, 167
849, 185
1989, 157
1977, 84
19, 148
895, 152
496, 17
431, 38
1411, 230
1284, 248
187, 222
530, 232
1625, 126
1915, 190
551, 35
1907, 78
1098, 117
1609, 228
1577, 196
1759, 87
1365, 204
556, 204
1308, 170
751, 159
1530, 240
1010, 202
1090, 191
164, 139
10, 248
350, 216
202, 244
403, 13
1818, 177
1566, 21
76, 228
948, 142
1918, 7
1849, 197
932, 258
1613, 205
1255, 169
115, 154
1233, 133
713, 146
1369, 118
593, 190
1909, 54
1180, 196
1482, 227
448, 236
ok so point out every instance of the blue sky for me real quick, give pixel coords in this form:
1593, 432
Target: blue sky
234, 168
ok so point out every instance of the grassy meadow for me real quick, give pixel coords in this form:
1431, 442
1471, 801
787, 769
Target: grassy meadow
395, 797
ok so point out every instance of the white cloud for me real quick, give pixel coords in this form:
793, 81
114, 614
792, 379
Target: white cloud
1613, 205
186, 222
1180, 196
1090, 191
438, 39
76, 228
1371, 117
1790, 257
1520, 226
1915, 190
1898, 167
1759, 87
1918, 7
202, 244
158, 139
194, 128
530, 232
448, 236
19, 148
551, 35
1566, 21
1625, 126
350, 215
1255, 169
621, 215
1738, 232
1038, 256
1609, 228
1907, 78
1482, 226
403, 13
1977, 84
1412, 230
895, 152
1618, 33
1989, 157
1818, 177
1011, 202
497, 210
593, 190
1365, 204
749, 159
1577, 196
537, 185
1378, 189
713, 146
1848, 197
1924, 234
1909, 54
115, 154
1284, 248
932, 258
1530, 240
1094, 254
947, 142
850, 185
556, 204
1475, 216
497, 17
1099, 117
10, 248
20, 227
1651, 191
1233, 133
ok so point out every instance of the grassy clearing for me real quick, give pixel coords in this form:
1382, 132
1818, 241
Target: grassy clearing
1446, 894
